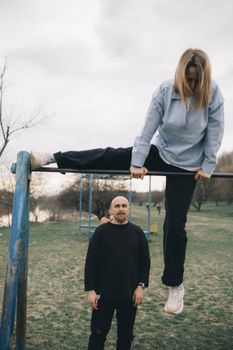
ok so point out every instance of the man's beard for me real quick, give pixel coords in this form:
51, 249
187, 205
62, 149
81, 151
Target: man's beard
121, 217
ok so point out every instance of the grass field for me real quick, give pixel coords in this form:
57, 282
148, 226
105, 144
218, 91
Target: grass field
59, 318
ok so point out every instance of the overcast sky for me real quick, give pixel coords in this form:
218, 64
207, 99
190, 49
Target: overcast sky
92, 65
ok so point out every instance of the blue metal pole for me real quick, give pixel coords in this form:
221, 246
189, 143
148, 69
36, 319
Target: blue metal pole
130, 196
149, 208
16, 275
80, 204
90, 204
22, 284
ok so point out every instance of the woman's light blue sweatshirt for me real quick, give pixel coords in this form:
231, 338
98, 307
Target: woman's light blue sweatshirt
185, 137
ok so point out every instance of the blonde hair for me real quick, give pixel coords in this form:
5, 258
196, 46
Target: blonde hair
200, 60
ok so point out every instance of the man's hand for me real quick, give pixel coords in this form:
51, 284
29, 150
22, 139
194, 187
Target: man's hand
201, 175
138, 296
138, 173
92, 299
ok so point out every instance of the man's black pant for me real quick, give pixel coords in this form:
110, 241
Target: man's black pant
102, 319
178, 195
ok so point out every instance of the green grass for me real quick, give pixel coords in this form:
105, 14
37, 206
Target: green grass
59, 317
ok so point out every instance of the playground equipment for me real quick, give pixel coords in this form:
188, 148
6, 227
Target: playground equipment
90, 228
14, 308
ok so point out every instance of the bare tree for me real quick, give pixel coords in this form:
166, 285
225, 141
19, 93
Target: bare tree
225, 161
103, 192
216, 191
157, 197
8, 128
225, 186
68, 197
201, 194
140, 198
6, 193
6, 199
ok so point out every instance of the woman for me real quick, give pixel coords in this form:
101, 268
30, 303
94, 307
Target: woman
188, 118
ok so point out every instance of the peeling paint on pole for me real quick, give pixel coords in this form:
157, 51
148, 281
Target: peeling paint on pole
15, 296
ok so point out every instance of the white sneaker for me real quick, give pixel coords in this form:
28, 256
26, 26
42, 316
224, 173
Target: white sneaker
175, 302
40, 159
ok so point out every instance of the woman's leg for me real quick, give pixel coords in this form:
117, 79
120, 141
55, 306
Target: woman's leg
178, 195
109, 159
96, 159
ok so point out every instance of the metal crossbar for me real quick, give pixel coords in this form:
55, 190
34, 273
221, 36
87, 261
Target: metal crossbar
121, 172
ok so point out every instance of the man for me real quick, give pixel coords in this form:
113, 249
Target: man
116, 272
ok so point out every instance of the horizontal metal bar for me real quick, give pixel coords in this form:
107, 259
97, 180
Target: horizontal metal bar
126, 172
119, 172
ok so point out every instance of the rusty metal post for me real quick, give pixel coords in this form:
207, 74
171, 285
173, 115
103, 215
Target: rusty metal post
15, 292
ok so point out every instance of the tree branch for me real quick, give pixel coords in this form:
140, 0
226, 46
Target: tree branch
17, 124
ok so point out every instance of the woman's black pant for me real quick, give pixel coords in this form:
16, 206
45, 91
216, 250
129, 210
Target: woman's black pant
178, 195
101, 321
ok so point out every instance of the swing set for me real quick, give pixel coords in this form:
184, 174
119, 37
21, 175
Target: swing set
89, 227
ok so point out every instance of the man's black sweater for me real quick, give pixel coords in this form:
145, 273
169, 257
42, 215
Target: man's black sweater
117, 260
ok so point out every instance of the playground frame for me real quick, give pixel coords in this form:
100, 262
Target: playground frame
90, 228
14, 308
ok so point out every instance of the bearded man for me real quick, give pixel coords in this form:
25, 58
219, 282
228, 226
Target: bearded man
116, 273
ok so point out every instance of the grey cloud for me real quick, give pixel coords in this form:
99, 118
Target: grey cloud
134, 26
61, 59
